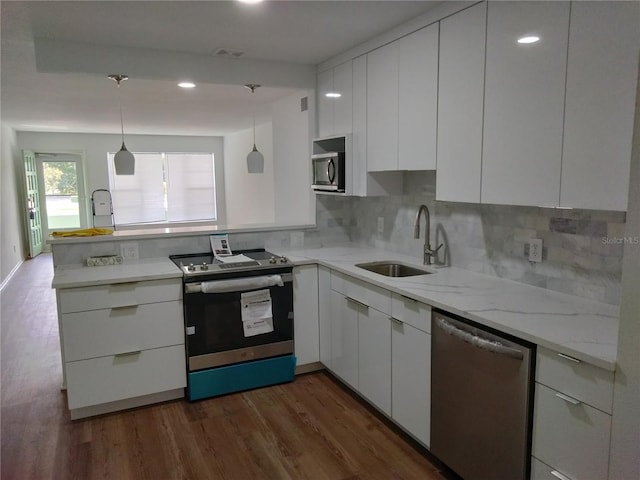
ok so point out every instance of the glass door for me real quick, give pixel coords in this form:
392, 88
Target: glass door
62, 193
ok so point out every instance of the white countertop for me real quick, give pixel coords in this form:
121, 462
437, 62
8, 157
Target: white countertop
579, 327
71, 276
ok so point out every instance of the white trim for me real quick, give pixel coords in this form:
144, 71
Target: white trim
11, 274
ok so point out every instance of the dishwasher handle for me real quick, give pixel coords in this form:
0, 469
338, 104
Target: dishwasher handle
477, 341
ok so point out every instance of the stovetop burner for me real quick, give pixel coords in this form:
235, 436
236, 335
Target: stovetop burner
196, 264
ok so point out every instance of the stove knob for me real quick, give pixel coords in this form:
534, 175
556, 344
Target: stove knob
191, 267
283, 260
204, 266
272, 260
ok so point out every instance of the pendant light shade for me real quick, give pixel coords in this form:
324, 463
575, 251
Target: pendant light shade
124, 161
255, 159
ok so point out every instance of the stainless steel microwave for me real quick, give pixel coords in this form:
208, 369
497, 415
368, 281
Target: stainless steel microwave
328, 171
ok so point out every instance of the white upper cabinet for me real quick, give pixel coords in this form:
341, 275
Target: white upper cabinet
604, 39
335, 100
382, 108
524, 103
402, 86
343, 105
325, 105
460, 105
418, 99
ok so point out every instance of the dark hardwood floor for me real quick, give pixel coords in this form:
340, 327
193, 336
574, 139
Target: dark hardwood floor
312, 428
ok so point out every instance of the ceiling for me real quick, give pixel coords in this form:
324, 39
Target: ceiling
72, 98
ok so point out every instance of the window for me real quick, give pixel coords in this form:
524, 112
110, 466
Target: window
166, 187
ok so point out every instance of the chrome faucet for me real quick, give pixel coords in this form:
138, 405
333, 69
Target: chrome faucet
428, 253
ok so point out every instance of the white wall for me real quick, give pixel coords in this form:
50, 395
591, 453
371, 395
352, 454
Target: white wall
625, 438
293, 131
95, 148
249, 195
13, 246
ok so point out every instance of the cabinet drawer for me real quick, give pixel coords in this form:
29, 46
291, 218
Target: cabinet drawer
577, 379
413, 312
98, 333
107, 379
542, 471
362, 292
119, 295
574, 439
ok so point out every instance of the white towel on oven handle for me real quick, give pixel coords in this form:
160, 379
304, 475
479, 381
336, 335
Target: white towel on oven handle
241, 284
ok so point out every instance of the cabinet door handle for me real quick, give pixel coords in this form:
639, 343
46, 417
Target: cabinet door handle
409, 298
567, 357
127, 354
357, 302
396, 321
559, 475
568, 399
124, 307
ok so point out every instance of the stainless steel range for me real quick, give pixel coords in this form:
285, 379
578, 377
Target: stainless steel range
238, 316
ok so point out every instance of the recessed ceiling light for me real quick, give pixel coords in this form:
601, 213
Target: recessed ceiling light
333, 94
250, 2
529, 39
186, 85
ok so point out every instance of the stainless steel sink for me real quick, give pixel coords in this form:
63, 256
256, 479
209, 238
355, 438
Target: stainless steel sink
392, 269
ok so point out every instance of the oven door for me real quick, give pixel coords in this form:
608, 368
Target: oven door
218, 332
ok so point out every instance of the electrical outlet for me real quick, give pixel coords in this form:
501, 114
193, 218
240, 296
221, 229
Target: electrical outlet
129, 250
535, 250
380, 224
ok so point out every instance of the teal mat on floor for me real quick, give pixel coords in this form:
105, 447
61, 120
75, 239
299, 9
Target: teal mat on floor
241, 376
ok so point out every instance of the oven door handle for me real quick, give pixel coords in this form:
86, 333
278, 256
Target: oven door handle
238, 284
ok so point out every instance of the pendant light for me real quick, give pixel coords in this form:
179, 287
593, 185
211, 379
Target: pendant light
123, 160
255, 159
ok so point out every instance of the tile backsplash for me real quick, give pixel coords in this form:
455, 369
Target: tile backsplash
578, 256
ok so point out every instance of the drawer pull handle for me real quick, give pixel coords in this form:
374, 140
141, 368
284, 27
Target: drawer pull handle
567, 357
396, 321
357, 302
559, 475
569, 399
127, 354
124, 307
409, 298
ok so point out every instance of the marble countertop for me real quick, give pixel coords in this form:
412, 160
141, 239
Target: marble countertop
576, 326
71, 276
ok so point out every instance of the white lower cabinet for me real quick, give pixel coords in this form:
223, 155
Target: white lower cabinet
542, 471
305, 308
374, 357
324, 315
381, 347
116, 377
411, 366
122, 345
411, 380
361, 338
572, 420
344, 338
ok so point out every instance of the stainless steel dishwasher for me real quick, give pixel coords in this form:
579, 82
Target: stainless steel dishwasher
481, 401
